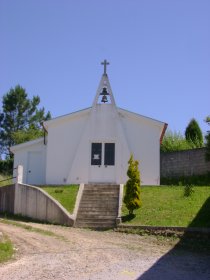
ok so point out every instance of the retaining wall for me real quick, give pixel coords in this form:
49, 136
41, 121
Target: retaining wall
34, 203
7, 198
184, 163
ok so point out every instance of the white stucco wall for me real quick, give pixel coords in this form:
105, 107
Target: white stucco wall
143, 138
64, 135
102, 126
34, 167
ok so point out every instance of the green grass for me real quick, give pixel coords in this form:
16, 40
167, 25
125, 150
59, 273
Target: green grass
7, 182
6, 249
66, 195
167, 206
29, 227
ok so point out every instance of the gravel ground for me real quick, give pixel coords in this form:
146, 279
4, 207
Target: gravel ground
83, 254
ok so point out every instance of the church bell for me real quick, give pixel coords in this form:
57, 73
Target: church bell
104, 97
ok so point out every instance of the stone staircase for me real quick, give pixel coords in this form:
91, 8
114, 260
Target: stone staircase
98, 206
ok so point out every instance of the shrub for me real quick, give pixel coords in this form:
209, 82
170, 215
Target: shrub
58, 191
132, 194
188, 190
175, 141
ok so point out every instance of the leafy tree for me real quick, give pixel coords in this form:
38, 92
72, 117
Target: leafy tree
175, 141
193, 133
20, 119
132, 194
208, 140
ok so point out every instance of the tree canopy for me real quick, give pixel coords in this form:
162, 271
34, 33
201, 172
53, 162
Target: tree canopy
193, 133
20, 118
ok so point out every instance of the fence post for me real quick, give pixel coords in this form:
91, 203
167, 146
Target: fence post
19, 180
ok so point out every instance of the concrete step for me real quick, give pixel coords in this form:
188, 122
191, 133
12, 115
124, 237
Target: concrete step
102, 189
99, 201
95, 224
98, 206
96, 216
98, 211
98, 194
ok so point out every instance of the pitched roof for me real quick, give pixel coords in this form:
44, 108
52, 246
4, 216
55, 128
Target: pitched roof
27, 144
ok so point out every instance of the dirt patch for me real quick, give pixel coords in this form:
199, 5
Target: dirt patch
71, 253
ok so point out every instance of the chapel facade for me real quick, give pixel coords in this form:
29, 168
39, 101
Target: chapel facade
95, 145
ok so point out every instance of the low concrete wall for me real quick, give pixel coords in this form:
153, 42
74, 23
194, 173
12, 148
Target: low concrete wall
34, 203
37, 204
184, 163
7, 198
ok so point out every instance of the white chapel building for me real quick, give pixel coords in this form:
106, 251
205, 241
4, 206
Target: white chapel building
93, 145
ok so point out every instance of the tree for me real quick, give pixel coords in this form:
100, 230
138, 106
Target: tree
20, 119
132, 194
193, 133
208, 140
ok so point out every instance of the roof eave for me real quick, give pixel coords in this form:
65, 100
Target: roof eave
26, 144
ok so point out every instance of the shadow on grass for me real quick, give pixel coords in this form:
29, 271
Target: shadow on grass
190, 258
128, 217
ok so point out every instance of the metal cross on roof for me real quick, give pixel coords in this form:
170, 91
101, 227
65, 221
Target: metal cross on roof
105, 63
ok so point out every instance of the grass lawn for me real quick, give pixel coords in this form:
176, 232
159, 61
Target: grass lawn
7, 182
6, 249
166, 206
66, 195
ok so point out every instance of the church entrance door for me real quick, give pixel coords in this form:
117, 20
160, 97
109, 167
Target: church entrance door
102, 165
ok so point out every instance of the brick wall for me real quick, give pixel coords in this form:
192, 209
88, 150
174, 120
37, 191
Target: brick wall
184, 163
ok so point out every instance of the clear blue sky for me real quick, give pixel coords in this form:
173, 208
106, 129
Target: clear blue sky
159, 54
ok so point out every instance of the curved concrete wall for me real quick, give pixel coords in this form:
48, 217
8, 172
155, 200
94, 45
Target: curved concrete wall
37, 204
34, 203
7, 198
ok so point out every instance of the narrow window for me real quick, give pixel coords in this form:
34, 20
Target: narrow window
109, 156
96, 153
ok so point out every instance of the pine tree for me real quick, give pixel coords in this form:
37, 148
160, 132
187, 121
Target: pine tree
132, 195
20, 119
193, 133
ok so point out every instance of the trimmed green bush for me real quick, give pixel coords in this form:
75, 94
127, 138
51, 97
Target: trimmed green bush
132, 194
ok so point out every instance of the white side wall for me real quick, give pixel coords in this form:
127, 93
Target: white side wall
143, 138
63, 139
22, 157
